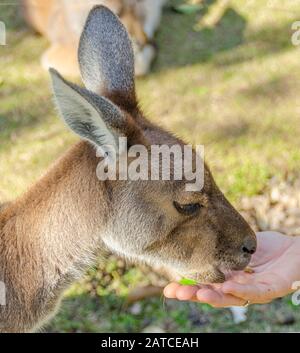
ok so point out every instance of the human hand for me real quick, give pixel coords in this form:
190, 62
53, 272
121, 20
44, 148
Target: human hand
276, 266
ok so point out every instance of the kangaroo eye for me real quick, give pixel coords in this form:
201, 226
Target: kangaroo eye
188, 209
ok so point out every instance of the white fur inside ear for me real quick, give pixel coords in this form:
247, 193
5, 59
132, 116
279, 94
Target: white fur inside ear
80, 115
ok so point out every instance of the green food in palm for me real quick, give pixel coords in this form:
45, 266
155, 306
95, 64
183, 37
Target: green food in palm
188, 282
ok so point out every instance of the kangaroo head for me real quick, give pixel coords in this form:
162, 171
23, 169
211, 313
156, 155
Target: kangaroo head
194, 233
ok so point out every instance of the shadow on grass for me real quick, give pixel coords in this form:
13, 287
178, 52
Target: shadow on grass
10, 14
275, 88
266, 41
231, 130
86, 313
181, 45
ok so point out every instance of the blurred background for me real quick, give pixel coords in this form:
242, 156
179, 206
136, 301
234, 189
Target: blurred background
228, 79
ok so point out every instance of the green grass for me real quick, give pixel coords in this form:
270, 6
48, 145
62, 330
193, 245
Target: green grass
233, 88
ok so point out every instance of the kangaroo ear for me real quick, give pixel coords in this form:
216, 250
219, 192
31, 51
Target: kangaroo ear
92, 117
105, 55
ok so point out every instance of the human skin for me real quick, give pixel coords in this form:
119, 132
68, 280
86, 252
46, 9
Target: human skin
276, 266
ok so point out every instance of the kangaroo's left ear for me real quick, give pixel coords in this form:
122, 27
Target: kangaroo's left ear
106, 58
90, 116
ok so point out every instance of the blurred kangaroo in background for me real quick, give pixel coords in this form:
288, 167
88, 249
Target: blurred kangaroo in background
50, 235
61, 21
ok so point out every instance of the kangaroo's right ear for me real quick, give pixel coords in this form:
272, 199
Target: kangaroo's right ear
106, 56
90, 116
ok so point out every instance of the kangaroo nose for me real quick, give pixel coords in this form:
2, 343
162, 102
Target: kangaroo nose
249, 246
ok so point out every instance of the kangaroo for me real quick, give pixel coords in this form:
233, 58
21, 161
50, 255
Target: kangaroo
51, 234
61, 21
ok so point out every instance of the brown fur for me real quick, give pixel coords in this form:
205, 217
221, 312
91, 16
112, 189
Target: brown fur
50, 235
36, 266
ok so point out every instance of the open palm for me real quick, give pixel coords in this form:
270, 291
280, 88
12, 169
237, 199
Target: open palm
276, 266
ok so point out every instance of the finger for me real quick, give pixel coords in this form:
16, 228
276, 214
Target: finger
186, 292
170, 290
218, 299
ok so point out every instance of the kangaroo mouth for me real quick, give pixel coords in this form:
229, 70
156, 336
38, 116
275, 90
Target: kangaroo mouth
228, 267
220, 272
214, 275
